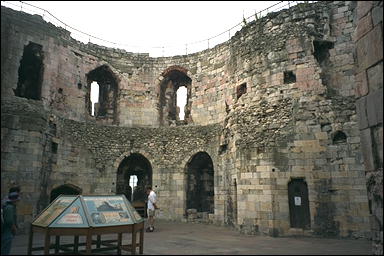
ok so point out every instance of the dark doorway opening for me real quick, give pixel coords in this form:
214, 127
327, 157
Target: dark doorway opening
299, 204
67, 189
30, 72
133, 174
200, 183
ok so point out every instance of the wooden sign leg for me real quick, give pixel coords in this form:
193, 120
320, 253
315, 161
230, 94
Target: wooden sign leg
119, 239
76, 245
133, 248
57, 245
98, 243
47, 242
89, 244
30, 240
141, 248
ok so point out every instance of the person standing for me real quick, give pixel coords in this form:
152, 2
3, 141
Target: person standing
9, 227
151, 208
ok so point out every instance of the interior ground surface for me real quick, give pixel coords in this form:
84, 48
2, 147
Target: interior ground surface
172, 238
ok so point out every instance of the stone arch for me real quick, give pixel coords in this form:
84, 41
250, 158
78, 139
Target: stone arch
200, 183
106, 108
65, 189
133, 164
339, 137
170, 81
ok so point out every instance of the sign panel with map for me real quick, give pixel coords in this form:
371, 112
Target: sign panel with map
105, 211
86, 211
73, 216
53, 210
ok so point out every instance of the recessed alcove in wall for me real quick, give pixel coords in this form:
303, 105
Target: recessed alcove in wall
241, 89
339, 137
107, 99
30, 72
321, 50
200, 183
135, 169
66, 189
174, 80
289, 77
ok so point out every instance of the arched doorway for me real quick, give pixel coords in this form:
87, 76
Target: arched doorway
200, 183
66, 189
299, 204
133, 174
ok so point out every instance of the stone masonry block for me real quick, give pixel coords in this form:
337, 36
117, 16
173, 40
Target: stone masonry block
366, 147
369, 49
361, 84
377, 15
379, 105
363, 7
375, 107
361, 113
375, 77
363, 26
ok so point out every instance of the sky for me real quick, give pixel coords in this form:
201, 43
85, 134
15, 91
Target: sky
148, 26
160, 28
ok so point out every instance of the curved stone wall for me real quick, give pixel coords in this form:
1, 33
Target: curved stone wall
272, 105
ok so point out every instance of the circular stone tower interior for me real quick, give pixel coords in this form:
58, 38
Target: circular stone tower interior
270, 142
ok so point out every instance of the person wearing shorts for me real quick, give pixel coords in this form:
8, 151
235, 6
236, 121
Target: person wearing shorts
151, 208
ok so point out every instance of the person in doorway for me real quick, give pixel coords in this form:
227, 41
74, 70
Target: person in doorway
9, 227
151, 208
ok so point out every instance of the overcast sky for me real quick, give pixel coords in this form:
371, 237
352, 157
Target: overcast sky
147, 26
140, 26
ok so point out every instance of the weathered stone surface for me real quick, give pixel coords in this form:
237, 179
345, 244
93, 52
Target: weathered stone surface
375, 77
370, 48
258, 141
363, 27
363, 7
361, 84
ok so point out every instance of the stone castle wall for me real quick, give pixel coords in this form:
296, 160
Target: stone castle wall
368, 40
273, 104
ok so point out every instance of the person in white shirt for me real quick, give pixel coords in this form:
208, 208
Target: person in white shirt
151, 207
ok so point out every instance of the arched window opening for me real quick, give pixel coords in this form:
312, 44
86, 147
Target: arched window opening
339, 137
107, 99
133, 184
170, 111
30, 72
181, 96
94, 96
66, 189
133, 174
200, 186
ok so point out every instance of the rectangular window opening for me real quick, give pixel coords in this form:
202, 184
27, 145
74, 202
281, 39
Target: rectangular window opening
241, 89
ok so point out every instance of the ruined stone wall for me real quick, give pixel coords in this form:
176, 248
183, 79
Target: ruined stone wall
272, 105
368, 40
282, 130
65, 87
